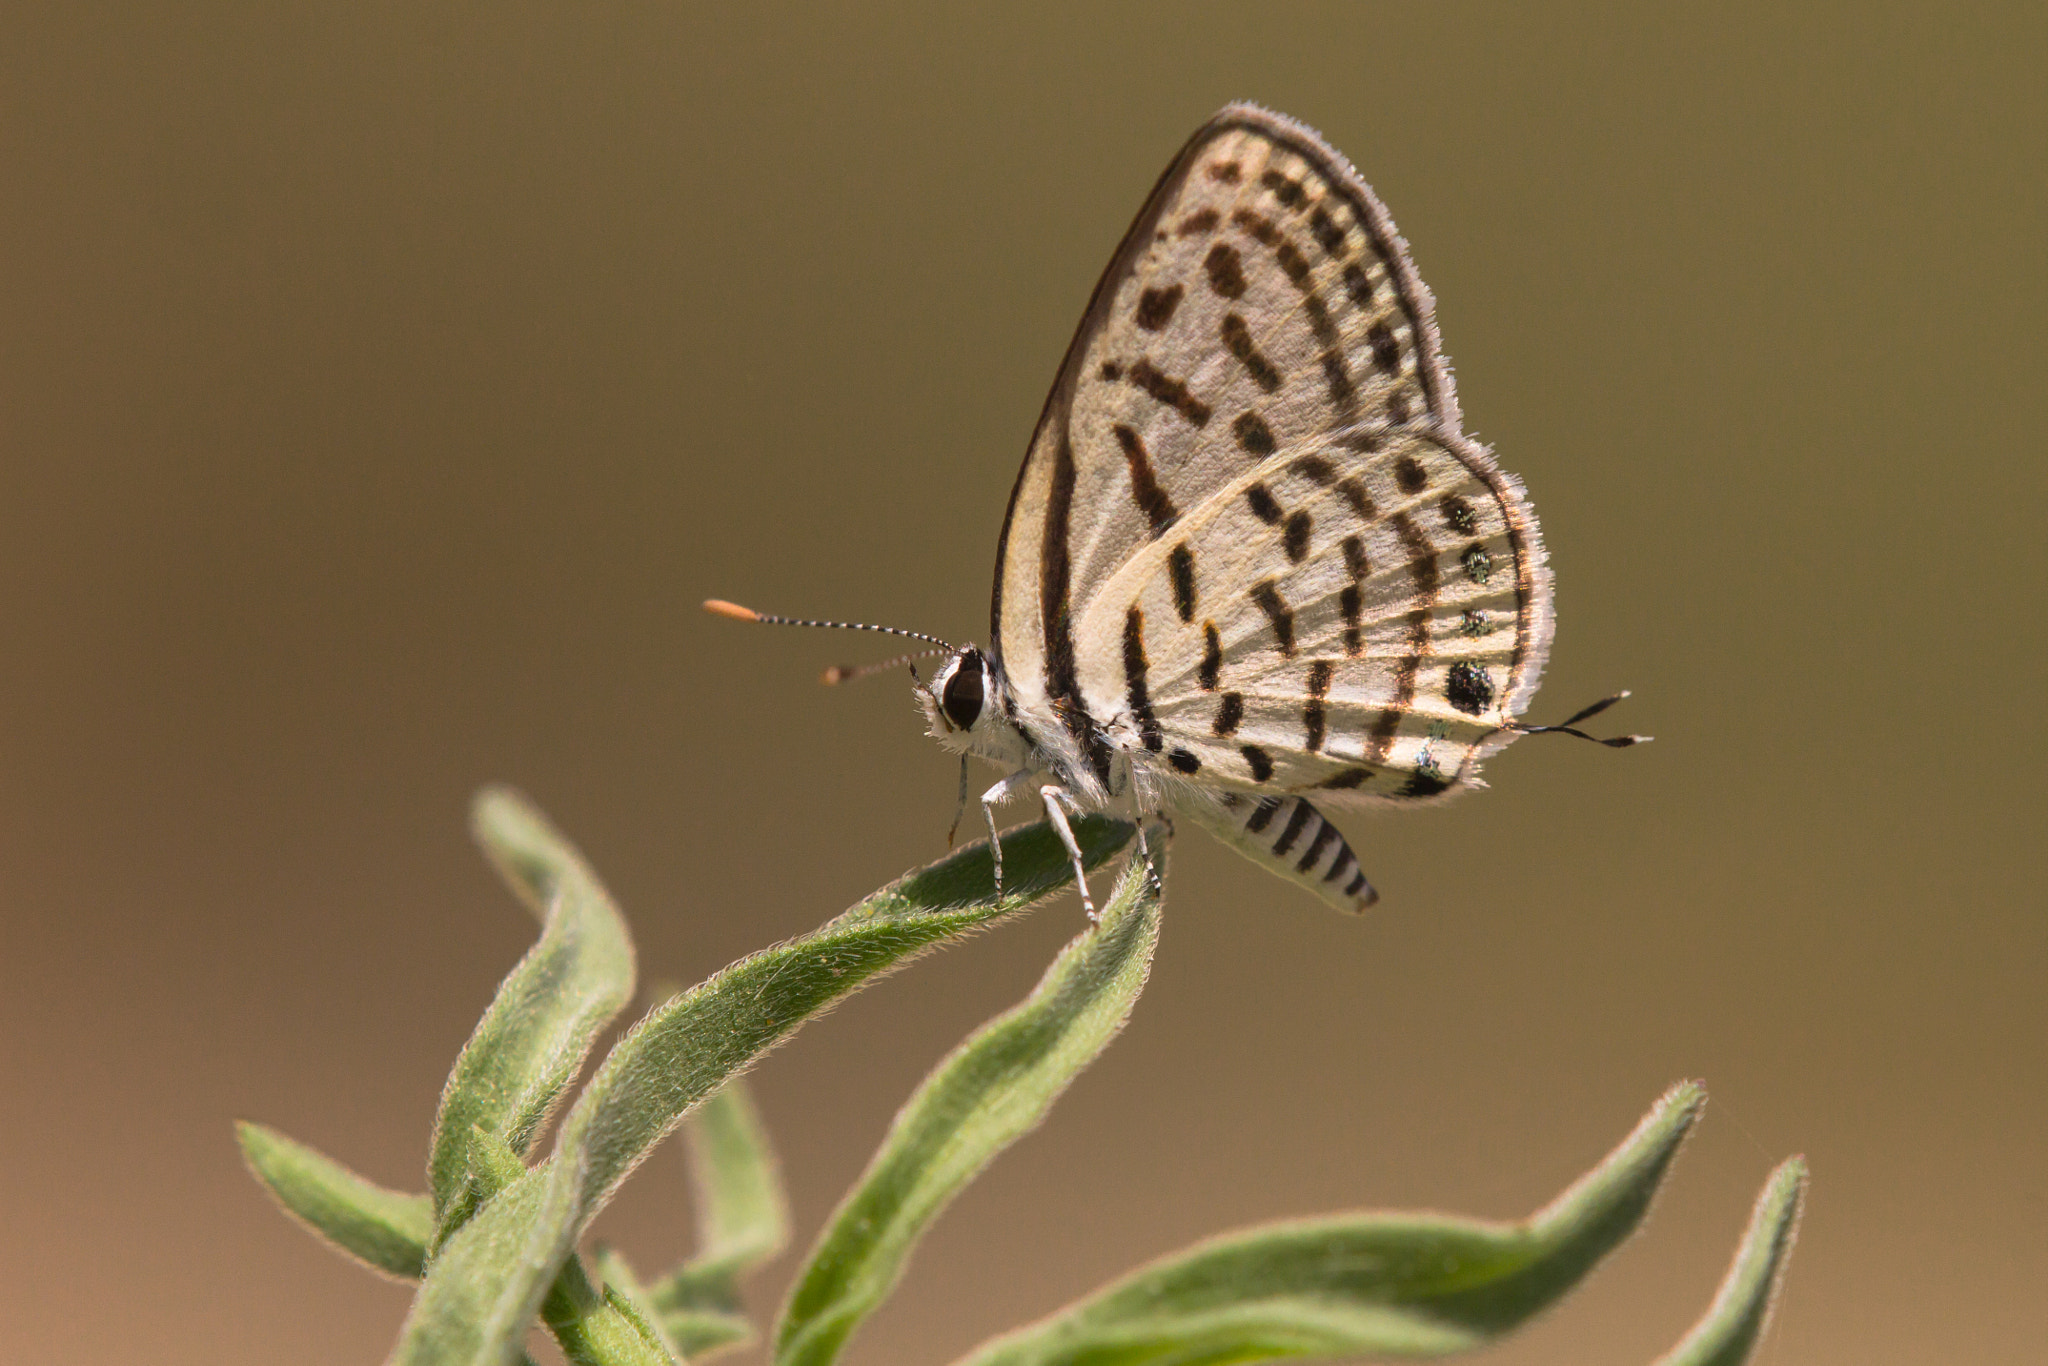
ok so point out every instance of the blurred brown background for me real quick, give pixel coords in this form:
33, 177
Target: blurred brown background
381, 386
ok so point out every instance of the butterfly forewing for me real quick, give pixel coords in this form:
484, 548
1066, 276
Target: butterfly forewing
1260, 302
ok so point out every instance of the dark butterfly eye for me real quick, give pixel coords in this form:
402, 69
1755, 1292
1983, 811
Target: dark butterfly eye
962, 699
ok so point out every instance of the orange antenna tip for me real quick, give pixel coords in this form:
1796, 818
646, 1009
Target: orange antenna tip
721, 608
838, 673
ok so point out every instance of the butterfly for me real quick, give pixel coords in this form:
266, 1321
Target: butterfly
1252, 567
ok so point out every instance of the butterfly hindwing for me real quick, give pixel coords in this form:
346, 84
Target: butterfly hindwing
1361, 618
1261, 301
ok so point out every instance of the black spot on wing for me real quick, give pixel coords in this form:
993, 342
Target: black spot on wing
1347, 778
1425, 783
1352, 600
1295, 536
1212, 656
1278, 613
1184, 761
1225, 268
1458, 515
1338, 379
1312, 716
1410, 475
1156, 306
1152, 500
1386, 352
1352, 603
1254, 435
1262, 504
1228, 714
1180, 565
1468, 688
1238, 338
1169, 391
1324, 229
1361, 501
1316, 468
1285, 189
1358, 285
1261, 766
1355, 562
1262, 814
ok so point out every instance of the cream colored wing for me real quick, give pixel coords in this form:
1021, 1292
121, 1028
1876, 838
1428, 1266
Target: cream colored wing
1362, 618
1260, 302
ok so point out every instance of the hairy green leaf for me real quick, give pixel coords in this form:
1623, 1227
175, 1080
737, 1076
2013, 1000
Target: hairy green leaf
1359, 1285
701, 1334
993, 1089
742, 1217
602, 1326
384, 1229
548, 1011
742, 1221
1741, 1310
593, 1323
489, 1280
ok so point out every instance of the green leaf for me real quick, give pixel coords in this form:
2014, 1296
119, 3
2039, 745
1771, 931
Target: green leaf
549, 1010
993, 1089
1359, 1285
742, 1217
592, 1324
607, 1326
695, 1333
742, 1221
702, 1333
1741, 1310
488, 1281
384, 1229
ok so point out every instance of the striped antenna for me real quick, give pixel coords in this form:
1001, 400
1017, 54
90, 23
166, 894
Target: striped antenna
838, 673
846, 673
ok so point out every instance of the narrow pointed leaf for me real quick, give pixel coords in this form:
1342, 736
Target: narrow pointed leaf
623, 1285
602, 1325
549, 1010
384, 1229
1741, 1310
1359, 1285
993, 1089
490, 1278
742, 1221
700, 1334
695, 1334
742, 1216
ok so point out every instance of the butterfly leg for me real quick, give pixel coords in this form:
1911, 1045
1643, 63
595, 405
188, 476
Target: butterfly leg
1056, 801
960, 811
1144, 846
990, 800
